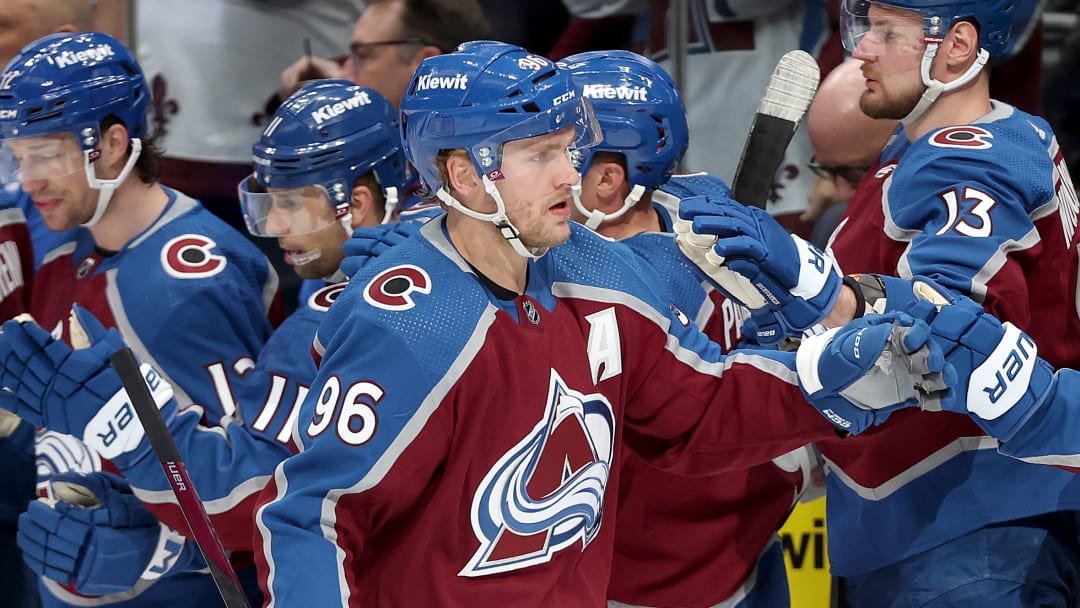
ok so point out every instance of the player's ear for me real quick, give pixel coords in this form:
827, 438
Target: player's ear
362, 205
461, 174
114, 147
961, 46
612, 185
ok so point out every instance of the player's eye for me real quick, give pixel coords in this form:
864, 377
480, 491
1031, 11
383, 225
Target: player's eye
288, 203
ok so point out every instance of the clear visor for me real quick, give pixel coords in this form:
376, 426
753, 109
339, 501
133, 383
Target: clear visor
559, 134
876, 29
47, 157
285, 211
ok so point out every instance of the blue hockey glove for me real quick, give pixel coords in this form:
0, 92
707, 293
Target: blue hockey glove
858, 374
369, 243
1001, 381
75, 391
788, 284
93, 533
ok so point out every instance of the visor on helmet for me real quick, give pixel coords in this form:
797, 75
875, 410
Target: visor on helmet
286, 211
492, 155
887, 31
40, 158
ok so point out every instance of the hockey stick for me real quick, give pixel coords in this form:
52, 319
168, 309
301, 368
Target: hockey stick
787, 96
202, 530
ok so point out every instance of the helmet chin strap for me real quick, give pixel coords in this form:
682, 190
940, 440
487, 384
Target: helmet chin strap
596, 217
508, 230
934, 88
346, 223
107, 187
336, 277
390, 195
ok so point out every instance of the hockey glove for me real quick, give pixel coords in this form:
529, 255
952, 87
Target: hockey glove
75, 391
93, 534
1001, 381
369, 243
788, 284
858, 374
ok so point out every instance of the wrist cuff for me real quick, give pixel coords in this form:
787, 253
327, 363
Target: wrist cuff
869, 293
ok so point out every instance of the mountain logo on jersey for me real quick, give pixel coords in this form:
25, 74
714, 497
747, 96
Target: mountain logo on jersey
392, 288
547, 492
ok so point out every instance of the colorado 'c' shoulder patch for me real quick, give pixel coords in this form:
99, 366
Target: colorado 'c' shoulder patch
392, 288
191, 256
967, 137
323, 298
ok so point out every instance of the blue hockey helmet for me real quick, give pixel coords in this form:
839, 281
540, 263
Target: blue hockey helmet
1027, 17
69, 84
321, 139
478, 98
639, 110
994, 18
481, 96
72, 82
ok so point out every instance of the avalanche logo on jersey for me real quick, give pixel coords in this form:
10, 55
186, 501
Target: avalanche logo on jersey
392, 288
966, 137
191, 256
322, 299
547, 492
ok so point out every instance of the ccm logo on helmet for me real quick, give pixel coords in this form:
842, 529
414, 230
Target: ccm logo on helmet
567, 96
8, 114
94, 53
191, 256
392, 289
331, 110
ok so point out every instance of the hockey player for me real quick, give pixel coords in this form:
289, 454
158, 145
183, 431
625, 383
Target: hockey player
316, 178
475, 380
22, 22
183, 289
717, 541
974, 194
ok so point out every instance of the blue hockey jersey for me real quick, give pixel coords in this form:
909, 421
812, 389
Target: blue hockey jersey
231, 464
472, 438
186, 294
985, 209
